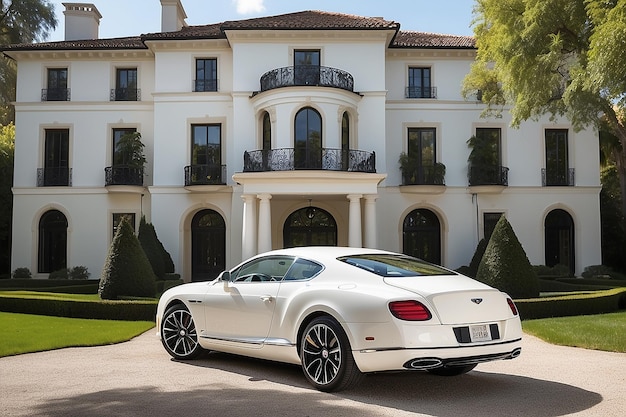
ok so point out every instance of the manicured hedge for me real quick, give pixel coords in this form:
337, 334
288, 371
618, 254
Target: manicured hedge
45, 284
598, 302
106, 309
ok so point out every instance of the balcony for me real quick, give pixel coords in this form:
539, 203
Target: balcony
205, 174
488, 179
557, 178
55, 94
289, 159
420, 92
307, 75
123, 175
125, 94
54, 177
204, 85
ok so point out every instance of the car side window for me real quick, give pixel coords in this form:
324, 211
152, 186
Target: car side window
266, 269
302, 269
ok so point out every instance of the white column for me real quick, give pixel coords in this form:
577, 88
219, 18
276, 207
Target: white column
354, 222
369, 226
249, 227
265, 223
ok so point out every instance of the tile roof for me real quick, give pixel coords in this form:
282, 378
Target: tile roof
305, 20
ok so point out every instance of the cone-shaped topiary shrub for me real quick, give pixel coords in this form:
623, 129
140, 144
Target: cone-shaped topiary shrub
159, 258
505, 265
127, 270
478, 256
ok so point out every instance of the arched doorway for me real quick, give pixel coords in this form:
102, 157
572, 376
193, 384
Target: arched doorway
208, 245
559, 235
52, 242
421, 235
310, 226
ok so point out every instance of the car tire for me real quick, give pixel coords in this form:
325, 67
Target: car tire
326, 356
178, 333
452, 370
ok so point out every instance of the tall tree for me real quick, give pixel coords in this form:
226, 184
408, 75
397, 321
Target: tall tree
7, 147
21, 21
557, 57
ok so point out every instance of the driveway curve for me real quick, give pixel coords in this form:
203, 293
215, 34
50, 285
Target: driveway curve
138, 378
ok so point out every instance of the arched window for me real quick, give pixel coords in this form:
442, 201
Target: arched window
267, 132
310, 226
421, 235
208, 245
345, 140
308, 139
559, 236
52, 242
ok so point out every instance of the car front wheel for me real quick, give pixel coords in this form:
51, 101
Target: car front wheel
326, 357
178, 333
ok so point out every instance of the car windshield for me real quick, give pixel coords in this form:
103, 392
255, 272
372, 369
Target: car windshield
389, 265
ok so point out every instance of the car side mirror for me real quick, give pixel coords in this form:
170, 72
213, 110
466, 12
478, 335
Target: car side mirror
224, 276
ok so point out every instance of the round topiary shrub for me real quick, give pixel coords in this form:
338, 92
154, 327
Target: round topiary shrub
505, 265
22, 272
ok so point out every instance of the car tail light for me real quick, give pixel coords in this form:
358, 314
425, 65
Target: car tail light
512, 306
410, 310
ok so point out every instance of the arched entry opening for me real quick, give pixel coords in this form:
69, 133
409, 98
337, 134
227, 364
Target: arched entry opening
421, 235
559, 235
208, 245
52, 242
310, 226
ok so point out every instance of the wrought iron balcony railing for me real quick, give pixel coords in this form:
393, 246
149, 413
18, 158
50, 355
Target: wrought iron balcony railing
125, 94
206, 174
307, 75
420, 92
563, 178
204, 85
425, 175
54, 177
488, 175
55, 94
123, 175
288, 159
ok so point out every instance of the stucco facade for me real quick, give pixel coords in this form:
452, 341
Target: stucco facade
357, 124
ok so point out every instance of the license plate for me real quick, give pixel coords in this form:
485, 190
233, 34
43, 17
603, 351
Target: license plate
480, 333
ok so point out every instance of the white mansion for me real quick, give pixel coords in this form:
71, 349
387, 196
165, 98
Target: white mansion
282, 131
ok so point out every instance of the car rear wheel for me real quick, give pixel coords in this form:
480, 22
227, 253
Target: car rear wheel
178, 333
452, 370
326, 356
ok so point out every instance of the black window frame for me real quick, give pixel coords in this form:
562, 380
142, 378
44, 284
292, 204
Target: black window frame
557, 157
56, 84
206, 78
56, 169
420, 82
126, 84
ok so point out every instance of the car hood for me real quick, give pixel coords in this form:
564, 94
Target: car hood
456, 298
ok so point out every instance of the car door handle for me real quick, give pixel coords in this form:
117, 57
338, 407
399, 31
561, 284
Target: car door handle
267, 298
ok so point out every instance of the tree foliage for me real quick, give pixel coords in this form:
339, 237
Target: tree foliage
556, 57
21, 21
127, 271
159, 258
7, 147
505, 265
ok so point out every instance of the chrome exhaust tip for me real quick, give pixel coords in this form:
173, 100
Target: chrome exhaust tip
424, 363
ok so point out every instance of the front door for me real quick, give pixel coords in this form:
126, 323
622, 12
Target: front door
208, 245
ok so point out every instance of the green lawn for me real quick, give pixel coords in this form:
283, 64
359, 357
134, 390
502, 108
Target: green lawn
24, 333
599, 332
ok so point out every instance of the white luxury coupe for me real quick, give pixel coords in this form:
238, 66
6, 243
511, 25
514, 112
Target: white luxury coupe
341, 313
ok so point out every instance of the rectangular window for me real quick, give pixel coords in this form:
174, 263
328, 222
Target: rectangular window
557, 170
489, 223
57, 85
117, 218
306, 64
120, 156
420, 83
485, 158
126, 85
422, 157
56, 171
206, 74
206, 155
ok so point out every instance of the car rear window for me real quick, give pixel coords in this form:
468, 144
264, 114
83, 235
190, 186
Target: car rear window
389, 265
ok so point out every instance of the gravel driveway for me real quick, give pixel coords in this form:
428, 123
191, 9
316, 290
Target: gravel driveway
138, 378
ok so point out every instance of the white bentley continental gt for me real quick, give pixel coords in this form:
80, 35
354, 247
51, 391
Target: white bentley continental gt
341, 313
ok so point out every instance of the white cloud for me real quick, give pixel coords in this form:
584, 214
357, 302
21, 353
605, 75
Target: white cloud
249, 6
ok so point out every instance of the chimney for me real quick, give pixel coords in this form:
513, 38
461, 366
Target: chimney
172, 16
82, 21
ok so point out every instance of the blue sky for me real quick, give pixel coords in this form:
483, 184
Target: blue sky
134, 17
